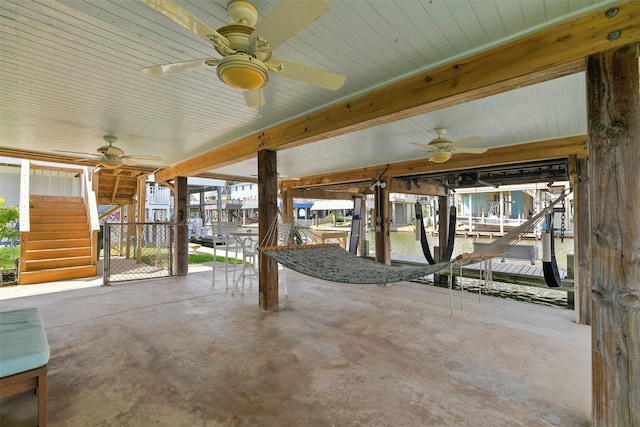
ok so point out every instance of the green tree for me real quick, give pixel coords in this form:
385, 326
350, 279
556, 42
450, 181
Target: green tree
8, 216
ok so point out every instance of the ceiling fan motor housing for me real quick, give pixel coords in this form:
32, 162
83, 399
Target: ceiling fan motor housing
441, 144
242, 12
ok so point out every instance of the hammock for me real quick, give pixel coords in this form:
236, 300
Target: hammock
501, 244
331, 262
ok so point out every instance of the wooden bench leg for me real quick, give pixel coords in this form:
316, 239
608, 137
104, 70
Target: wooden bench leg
36, 380
41, 390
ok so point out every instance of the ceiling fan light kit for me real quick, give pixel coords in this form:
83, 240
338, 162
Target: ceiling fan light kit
111, 163
243, 72
440, 157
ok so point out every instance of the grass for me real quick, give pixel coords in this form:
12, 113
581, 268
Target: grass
200, 258
8, 257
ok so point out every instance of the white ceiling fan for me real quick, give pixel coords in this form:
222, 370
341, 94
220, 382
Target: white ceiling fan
441, 149
112, 157
246, 62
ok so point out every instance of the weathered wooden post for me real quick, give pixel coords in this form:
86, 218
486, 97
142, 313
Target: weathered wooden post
614, 186
381, 211
267, 215
581, 239
182, 232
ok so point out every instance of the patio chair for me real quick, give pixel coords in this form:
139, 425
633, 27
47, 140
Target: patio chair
223, 239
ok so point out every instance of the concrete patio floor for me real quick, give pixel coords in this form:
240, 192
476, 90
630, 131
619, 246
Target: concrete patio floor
177, 352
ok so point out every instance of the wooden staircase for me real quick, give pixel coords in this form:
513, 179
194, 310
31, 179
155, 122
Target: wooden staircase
58, 245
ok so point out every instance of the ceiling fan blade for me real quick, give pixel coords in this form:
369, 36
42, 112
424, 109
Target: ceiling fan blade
289, 17
304, 73
253, 98
180, 16
470, 150
468, 141
78, 153
128, 161
179, 67
141, 157
420, 144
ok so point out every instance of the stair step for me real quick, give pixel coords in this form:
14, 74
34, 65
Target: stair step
49, 212
56, 274
59, 219
68, 227
54, 244
57, 235
36, 265
56, 205
52, 253
55, 202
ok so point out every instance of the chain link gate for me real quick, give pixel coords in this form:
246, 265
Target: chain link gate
138, 250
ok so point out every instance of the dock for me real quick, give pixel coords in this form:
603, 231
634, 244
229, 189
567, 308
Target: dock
502, 271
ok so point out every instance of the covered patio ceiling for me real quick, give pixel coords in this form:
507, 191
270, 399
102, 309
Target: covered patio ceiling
508, 71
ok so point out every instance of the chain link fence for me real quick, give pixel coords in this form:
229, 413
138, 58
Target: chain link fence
138, 250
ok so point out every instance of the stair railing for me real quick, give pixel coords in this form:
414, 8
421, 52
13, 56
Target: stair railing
56, 181
25, 221
89, 197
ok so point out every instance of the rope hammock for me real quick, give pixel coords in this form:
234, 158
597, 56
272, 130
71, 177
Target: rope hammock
501, 244
333, 263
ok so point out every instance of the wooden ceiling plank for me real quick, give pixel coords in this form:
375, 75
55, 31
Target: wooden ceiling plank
547, 54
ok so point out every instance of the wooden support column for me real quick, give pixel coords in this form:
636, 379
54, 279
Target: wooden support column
267, 215
381, 223
141, 198
288, 212
613, 112
363, 226
182, 232
131, 218
581, 239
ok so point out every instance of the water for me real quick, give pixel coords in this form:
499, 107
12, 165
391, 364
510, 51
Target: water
406, 243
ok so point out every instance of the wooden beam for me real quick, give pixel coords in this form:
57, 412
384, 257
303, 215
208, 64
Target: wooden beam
547, 54
114, 191
423, 188
613, 108
267, 215
317, 193
541, 150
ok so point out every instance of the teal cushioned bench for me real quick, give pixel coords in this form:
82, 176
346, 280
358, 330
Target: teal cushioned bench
24, 354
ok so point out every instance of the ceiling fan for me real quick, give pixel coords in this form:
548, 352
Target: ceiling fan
246, 62
112, 157
441, 149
